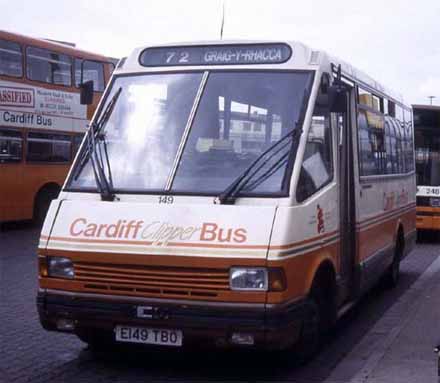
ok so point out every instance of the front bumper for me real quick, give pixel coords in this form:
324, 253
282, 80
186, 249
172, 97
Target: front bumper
203, 323
428, 218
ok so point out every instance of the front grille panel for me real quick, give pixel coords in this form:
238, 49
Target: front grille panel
152, 280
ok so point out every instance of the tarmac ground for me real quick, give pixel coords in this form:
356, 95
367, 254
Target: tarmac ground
388, 337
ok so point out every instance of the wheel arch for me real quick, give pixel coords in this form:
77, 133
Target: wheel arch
50, 189
323, 270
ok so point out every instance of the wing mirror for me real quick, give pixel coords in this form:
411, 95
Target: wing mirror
337, 97
86, 93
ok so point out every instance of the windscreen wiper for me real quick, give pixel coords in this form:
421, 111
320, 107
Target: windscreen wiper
105, 186
228, 196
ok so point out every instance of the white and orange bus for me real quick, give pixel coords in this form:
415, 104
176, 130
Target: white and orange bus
229, 193
427, 147
41, 119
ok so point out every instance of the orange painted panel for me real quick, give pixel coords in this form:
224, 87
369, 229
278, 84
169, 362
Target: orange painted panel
21, 182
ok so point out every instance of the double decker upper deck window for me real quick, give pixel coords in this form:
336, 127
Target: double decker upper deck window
91, 70
48, 66
10, 59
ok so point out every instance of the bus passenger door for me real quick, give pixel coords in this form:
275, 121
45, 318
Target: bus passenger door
347, 205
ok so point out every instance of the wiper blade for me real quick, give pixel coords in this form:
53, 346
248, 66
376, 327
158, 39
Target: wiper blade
229, 194
102, 137
108, 110
98, 126
104, 185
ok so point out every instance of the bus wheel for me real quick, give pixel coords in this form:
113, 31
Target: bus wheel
310, 338
320, 316
392, 275
42, 202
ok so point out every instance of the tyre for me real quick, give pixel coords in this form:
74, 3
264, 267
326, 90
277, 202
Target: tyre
319, 319
310, 338
392, 275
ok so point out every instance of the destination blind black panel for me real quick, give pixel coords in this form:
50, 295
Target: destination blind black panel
216, 55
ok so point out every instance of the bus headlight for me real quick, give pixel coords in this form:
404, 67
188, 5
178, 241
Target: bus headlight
60, 267
248, 278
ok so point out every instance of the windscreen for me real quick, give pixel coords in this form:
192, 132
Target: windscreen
195, 132
144, 131
428, 157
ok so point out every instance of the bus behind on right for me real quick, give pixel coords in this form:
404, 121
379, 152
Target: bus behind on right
427, 148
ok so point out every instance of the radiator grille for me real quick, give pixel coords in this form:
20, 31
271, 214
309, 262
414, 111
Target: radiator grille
152, 280
423, 201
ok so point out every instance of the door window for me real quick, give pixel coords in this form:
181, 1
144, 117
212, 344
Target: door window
317, 166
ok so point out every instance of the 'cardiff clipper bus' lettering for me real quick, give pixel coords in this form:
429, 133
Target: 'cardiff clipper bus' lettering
159, 233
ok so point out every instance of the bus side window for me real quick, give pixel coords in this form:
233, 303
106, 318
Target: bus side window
11, 146
48, 66
409, 150
10, 59
42, 147
317, 167
372, 143
92, 70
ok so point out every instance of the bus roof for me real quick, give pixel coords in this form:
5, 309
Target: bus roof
303, 57
50, 44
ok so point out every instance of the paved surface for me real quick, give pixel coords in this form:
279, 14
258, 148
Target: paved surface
388, 337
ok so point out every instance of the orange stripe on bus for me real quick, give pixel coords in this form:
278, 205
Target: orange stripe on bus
149, 243
391, 212
310, 240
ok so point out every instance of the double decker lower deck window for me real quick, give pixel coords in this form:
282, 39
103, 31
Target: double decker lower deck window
11, 145
42, 147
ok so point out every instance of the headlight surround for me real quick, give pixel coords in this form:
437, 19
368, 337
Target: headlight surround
60, 267
248, 278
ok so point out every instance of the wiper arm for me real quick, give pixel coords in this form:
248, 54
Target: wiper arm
229, 194
102, 137
272, 170
98, 126
90, 153
105, 186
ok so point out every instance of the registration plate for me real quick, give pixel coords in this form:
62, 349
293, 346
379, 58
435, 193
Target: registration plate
146, 335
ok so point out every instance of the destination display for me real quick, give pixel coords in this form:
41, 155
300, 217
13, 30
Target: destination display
428, 191
216, 55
